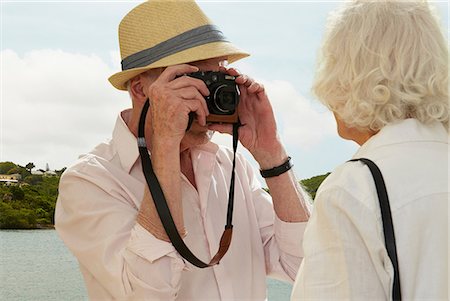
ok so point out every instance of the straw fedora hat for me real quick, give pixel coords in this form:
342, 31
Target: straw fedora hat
163, 33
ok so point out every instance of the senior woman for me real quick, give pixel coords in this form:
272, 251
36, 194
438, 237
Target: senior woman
383, 72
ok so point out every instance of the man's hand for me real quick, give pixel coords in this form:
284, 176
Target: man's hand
258, 132
172, 98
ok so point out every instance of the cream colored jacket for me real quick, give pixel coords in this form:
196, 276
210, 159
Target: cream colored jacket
344, 251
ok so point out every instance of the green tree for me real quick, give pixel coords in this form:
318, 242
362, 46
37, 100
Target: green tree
61, 171
22, 171
14, 170
6, 166
29, 206
16, 219
30, 166
33, 179
311, 185
7, 197
17, 193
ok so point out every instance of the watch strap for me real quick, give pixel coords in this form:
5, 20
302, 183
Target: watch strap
278, 170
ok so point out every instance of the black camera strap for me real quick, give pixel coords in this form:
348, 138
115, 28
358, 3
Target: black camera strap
163, 209
386, 218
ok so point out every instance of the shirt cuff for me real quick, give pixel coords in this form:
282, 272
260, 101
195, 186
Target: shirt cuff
144, 244
290, 236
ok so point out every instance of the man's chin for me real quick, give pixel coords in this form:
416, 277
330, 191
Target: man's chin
195, 127
197, 136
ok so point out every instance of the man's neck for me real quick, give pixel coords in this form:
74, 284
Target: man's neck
186, 166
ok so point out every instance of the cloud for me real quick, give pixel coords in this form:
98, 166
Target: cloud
115, 58
303, 124
55, 106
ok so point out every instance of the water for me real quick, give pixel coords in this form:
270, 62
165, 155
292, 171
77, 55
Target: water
35, 265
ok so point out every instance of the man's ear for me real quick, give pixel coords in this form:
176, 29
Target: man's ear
137, 89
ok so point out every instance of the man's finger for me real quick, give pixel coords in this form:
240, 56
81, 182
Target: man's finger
170, 73
230, 71
234, 72
195, 106
254, 87
186, 81
191, 93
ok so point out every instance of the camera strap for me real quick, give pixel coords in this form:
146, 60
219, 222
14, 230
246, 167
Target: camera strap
163, 209
386, 218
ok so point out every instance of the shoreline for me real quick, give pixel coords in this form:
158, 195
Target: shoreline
38, 227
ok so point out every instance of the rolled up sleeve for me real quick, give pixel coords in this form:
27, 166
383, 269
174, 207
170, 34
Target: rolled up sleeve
290, 236
145, 245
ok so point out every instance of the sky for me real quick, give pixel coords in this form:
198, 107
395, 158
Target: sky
56, 56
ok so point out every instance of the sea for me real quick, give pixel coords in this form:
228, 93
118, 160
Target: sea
35, 265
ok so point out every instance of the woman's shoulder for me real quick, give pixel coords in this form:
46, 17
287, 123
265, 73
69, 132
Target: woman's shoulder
349, 182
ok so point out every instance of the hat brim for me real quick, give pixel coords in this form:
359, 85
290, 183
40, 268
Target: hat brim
198, 53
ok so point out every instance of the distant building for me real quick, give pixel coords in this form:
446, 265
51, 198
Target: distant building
10, 179
45, 173
50, 173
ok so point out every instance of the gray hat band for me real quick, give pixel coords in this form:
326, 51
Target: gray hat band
198, 36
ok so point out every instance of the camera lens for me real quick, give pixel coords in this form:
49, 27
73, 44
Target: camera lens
225, 99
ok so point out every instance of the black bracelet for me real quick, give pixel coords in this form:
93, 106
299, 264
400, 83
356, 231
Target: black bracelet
276, 171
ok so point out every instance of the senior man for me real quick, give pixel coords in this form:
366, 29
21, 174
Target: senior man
105, 213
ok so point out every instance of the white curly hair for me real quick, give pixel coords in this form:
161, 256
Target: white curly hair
384, 61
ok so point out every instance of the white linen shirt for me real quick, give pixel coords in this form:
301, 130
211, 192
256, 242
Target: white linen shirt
96, 213
344, 252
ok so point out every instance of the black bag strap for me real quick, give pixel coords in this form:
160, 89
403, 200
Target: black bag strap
388, 227
163, 209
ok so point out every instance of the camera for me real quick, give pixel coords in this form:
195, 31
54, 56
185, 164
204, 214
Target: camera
223, 99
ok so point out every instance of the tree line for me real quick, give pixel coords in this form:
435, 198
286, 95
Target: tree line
31, 203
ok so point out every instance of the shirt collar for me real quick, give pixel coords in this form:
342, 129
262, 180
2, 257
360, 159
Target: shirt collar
209, 147
125, 142
408, 130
